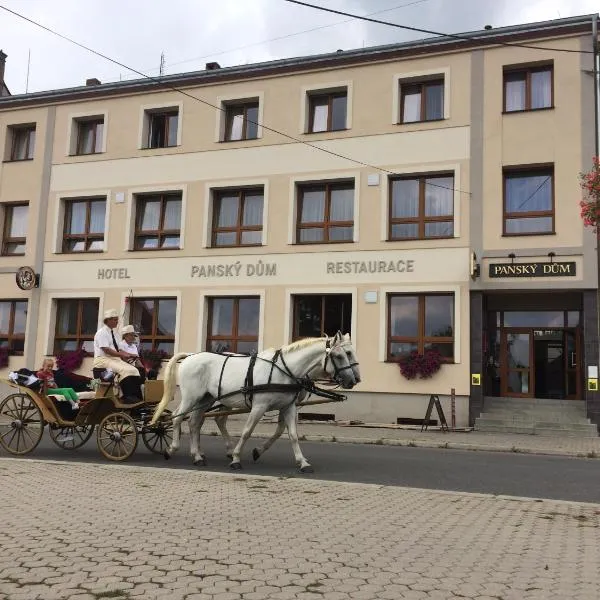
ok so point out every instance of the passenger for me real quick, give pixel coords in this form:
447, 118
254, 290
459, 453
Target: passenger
46, 374
107, 355
128, 345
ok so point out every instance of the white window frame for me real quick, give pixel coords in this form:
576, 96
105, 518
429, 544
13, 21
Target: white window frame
209, 195
416, 77
144, 124
131, 215
325, 88
73, 131
322, 178
232, 99
422, 289
230, 293
59, 218
420, 171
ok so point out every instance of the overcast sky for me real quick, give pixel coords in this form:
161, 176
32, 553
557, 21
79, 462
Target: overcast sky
231, 32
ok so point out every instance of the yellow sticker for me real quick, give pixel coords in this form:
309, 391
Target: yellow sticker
593, 385
475, 379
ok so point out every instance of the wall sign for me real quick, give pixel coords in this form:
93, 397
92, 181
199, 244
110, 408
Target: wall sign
536, 269
27, 278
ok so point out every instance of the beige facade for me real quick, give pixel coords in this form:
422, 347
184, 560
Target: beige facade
471, 142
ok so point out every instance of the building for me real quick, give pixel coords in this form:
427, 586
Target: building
416, 195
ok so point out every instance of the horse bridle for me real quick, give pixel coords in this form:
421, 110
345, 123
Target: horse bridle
336, 368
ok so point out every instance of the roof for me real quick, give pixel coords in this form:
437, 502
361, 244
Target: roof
513, 34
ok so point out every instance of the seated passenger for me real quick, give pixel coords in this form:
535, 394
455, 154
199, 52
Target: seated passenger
46, 374
128, 345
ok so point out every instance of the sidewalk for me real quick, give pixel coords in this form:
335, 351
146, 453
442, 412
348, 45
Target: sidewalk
432, 438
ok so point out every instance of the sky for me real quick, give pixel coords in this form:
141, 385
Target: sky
191, 33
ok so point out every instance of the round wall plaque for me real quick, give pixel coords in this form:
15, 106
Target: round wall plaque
26, 278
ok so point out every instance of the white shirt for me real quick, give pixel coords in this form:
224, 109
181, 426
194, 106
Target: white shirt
130, 348
103, 339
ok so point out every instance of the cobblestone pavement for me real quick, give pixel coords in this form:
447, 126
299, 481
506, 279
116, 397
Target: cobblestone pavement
81, 531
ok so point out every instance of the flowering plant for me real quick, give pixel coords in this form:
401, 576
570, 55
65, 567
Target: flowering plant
70, 361
4, 353
590, 205
426, 365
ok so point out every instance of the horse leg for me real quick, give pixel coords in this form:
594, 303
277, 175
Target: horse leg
196, 422
256, 414
179, 414
257, 452
291, 416
221, 422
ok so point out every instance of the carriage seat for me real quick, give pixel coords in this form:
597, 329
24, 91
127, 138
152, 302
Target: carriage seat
103, 376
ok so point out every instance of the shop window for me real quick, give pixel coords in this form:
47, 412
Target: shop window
317, 315
420, 322
15, 229
22, 142
233, 324
421, 207
528, 201
327, 111
13, 318
84, 225
241, 121
422, 101
528, 89
158, 221
155, 320
325, 213
76, 324
238, 217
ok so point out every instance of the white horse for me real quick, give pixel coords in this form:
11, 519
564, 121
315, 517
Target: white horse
206, 377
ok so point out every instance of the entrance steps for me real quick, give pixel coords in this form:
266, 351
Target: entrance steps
535, 416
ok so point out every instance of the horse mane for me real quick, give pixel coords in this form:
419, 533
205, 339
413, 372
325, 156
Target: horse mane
298, 345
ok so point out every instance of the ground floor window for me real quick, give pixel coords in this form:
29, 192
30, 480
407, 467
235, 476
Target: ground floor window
420, 322
13, 317
76, 324
319, 314
154, 319
233, 324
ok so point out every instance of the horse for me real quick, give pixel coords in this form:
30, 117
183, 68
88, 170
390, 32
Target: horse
269, 380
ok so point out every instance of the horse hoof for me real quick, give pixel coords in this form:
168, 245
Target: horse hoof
236, 466
255, 454
307, 469
200, 462
167, 455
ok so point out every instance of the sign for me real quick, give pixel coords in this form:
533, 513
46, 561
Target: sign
435, 401
475, 379
592, 385
27, 278
537, 269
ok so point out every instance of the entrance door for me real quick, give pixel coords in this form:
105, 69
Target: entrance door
517, 358
550, 365
572, 354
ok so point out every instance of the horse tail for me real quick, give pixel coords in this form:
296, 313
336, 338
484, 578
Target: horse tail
169, 383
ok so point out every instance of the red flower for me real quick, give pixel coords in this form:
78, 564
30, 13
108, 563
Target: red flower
426, 365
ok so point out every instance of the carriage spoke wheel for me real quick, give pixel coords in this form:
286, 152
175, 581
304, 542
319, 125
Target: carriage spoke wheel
21, 424
71, 437
157, 438
117, 436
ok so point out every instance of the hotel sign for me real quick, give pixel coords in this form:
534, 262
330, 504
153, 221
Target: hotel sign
536, 269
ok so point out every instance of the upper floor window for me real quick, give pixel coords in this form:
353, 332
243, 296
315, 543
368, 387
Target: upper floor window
529, 201
84, 225
233, 324
22, 142
76, 324
528, 89
318, 314
155, 319
421, 207
162, 126
238, 217
13, 318
241, 121
327, 111
325, 213
158, 221
90, 134
421, 100
15, 229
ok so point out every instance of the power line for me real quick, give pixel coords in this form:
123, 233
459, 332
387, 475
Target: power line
162, 83
436, 33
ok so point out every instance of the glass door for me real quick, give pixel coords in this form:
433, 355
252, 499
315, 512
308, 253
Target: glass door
516, 361
573, 373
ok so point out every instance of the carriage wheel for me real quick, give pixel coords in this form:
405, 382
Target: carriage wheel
21, 424
158, 437
71, 437
117, 436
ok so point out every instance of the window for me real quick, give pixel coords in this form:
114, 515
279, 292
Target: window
162, 128
233, 324
23, 142
238, 217
13, 318
155, 320
422, 101
158, 221
421, 207
420, 322
316, 315
89, 136
15, 229
327, 112
76, 325
529, 202
84, 225
241, 121
528, 89
325, 213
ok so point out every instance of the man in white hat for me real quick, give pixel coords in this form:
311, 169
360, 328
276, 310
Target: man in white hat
128, 345
108, 355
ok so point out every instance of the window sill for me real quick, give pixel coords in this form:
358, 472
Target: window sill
159, 147
395, 361
422, 122
236, 246
17, 160
240, 140
86, 154
545, 233
325, 131
153, 249
421, 239
323, 243
71, 253
4, 255
527, 110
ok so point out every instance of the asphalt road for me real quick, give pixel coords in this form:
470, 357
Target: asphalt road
558, 478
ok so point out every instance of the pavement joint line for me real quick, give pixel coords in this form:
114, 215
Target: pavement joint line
237, 475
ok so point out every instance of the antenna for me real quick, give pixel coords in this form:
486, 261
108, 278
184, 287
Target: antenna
162, 64
28, 64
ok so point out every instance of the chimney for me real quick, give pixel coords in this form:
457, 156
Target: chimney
212, 66
92, 81
3, 89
